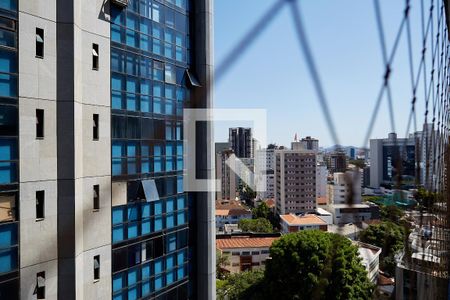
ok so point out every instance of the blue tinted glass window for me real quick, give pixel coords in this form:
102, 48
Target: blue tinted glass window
157, 31
8, 260
181, 218
132, 293
8, 85
180, 257
132, 230
158, 282
8, 235
131, 102
146, 271
132, 166
146, 229
169, 278
132, 21
145, 87
117, 166
116, 35
180, 185
8, 61
180, 273
158, 266
158, 164
145, 24
118, 282
157, 89
180, 165
158, 223
117, 82
168, 50
9, 4
157, 13
133, 213
169, 205
179, 148
116, 100
169, 36
145, 104
131, 149
146, 288
131, 38
131, 85
117, 60
118, 234
132, 276
8, 149
145, 210
157, 149
145, 42
157, 108
7, 38
169, 163
169, 262
180, 202
170, 91
118, 149
158, 207
169, 107
157, 49
8, 172
117, 215
171, 243
170, 221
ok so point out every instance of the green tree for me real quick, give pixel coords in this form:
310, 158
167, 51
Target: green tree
390, 238
314, 264
246, 193
241, 286
391, 213
221, 261
255, 225
261, 211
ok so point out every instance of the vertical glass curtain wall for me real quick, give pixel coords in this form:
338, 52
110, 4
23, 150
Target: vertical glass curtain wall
149, 59
9, 130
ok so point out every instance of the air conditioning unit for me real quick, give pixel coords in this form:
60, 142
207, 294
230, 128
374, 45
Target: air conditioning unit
120, 3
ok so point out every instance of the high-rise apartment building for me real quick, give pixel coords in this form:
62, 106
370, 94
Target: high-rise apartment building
241, 141
336, 162
295, 181
91, 184
265, 161
393, 157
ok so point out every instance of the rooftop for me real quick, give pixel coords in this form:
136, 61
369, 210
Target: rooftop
310, 219
245, 242
233, 212
322, 211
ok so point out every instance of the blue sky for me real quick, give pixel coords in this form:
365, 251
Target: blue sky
272, 73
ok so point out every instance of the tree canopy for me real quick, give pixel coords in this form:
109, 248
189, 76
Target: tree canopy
390, 238
261, 211
314, 264
255, 225
240, 286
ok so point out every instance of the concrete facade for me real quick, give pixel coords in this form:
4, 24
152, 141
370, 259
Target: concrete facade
295, 181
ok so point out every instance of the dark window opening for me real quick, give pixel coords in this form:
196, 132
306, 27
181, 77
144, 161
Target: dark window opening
95, 127
96, 197
39, 42
39, 123
95, 56
97, 267
40, 205
40, 286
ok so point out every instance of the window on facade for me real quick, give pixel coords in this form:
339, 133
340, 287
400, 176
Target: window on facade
95, 128
97, 267
39, 290
95, 57
39, 123
96, 197
39, 42
40, 205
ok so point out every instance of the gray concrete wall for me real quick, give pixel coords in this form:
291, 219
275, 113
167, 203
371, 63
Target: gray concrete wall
84, 162
38, 157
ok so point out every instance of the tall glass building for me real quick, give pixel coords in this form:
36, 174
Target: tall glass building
92, 202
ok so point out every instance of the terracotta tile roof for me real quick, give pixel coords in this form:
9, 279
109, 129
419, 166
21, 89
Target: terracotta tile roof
222, 212
270, 203
383, 280
245, 242
292, 219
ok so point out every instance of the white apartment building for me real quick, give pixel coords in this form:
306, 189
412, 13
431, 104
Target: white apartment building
321, 180
370, 255
343, 187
